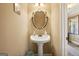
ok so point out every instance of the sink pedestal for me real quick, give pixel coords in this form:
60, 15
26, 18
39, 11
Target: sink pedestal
40, 40
40, 49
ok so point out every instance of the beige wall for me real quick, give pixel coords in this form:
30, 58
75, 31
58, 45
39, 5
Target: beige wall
55, 27
13, 30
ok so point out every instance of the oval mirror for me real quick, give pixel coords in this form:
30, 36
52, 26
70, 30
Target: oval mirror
39, 19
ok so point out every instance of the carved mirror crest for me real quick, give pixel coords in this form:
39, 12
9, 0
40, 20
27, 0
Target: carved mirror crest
39, 19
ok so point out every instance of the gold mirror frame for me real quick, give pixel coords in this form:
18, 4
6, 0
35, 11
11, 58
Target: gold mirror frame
39, 19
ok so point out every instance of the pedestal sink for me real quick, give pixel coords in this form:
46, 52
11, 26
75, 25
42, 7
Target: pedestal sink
40, 40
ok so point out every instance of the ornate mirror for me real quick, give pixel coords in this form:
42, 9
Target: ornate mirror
39, 19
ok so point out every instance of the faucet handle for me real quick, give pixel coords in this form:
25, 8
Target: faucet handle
34, 33
45, 32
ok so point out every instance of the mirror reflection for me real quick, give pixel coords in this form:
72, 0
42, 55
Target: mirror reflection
73, 25
39, 19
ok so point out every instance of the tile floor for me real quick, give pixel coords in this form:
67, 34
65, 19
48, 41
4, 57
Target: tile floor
73, 50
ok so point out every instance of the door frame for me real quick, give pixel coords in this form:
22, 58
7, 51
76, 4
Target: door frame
63, 29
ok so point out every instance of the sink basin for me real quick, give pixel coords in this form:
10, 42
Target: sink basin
40, 40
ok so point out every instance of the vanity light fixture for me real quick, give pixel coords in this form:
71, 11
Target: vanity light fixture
16, 8
39, 4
